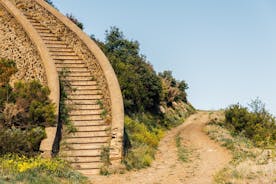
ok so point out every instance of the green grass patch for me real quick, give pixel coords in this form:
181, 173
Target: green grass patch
182, 152
144, 141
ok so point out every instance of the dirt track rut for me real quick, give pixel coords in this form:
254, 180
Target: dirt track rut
206, 158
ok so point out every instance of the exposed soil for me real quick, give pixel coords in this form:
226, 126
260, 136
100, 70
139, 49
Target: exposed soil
205, 159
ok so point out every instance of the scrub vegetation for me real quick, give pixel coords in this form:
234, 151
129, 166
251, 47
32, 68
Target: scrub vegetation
36, 170
25, 111
153, 102
254, 160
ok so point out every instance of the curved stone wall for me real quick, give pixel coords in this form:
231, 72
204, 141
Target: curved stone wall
16, 45
21, 42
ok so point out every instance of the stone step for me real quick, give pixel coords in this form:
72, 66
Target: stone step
54, 49
76, 94
85, 112
33, 21
46, 34
75, 61
70, 65
54, 42
92, 128
80, 78
84, 97
85, 117
66, 57
89, 172
84, 83
75, 70
81, 166
83, 87
85, 92
26, 14
39, 27
85, 146
86, 107
88, 134
82, 74
93, 152
83, 159
44, 31
86, 123
88, 140
49, 38
53, 54
55, 46
82, 102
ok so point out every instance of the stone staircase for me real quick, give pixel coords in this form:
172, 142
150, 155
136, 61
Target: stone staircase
83, 147
94, 95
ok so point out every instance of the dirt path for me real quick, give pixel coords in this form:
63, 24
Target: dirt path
205, 159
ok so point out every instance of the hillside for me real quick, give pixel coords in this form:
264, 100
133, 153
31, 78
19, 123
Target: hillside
76, 109
153, 102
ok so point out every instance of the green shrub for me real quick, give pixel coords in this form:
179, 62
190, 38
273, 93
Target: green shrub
21, 169
7, 69
33, 106
25, 111
257, 124
143, 93
24, 142
172, 90
140, 156
141, 134
140, 85
144, 141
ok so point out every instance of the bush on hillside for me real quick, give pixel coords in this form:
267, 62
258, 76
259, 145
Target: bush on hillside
144, 94
172, 90
24, 142
144, 141
30, 107
24, 112
140, 85
255, 123
7, 69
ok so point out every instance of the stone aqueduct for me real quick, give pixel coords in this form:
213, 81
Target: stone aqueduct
44, 43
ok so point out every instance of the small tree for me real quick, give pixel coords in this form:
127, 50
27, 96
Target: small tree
257, 124
140, 85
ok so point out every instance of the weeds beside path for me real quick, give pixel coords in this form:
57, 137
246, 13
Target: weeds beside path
250, 164
205, 159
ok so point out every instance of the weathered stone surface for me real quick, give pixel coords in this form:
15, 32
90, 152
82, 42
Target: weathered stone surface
16, 45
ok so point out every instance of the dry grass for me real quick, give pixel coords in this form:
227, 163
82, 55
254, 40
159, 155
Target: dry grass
183, 152
250, 164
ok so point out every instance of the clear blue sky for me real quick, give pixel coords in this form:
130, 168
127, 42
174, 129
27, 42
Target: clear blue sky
225, 50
